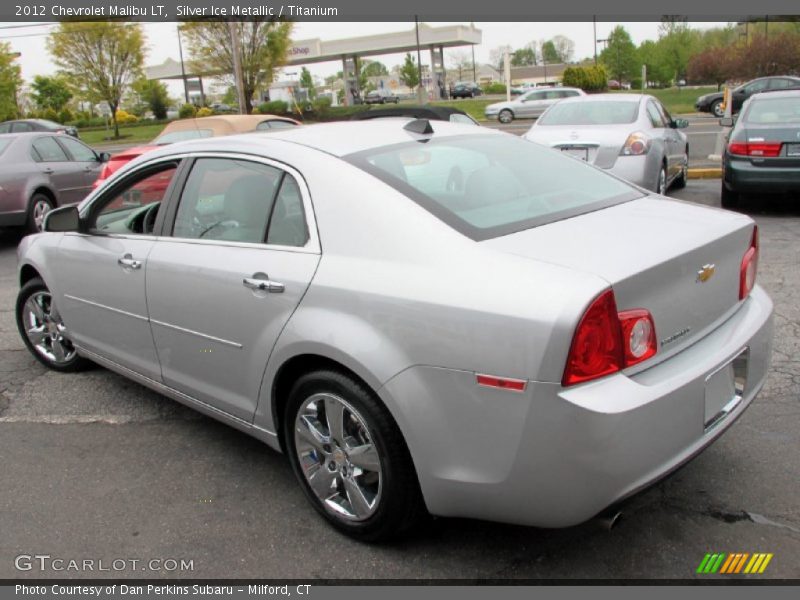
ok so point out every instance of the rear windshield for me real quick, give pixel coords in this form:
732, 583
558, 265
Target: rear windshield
601, 112
486, 186
182, 136
4, 142
766, 111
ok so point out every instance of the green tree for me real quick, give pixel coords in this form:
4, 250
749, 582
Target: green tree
524, 56
155, 95
263, 44
651, 54
105, 56
619, 55
373, 68
50, 92
549, 53
678, 43
409, 74
307, 82
10, 82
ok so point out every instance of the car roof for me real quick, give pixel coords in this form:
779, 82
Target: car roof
441, 113
339, 138
607, 97
222, 124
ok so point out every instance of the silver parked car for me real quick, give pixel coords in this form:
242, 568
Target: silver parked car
423, 316
530, 105
39, 171
631, 135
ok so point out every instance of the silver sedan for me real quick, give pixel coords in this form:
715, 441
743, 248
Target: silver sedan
530, 105
630, 135
423, 316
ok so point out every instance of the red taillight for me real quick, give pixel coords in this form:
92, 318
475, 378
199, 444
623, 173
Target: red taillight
637, 144
749, 267
757, 149
606, 341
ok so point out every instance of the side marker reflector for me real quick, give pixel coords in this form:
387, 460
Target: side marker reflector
503, 383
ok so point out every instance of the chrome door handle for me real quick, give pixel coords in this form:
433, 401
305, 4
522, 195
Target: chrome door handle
263, 285
129, 262
48, 171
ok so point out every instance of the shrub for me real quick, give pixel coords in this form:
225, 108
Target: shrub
273, 107
49, 114
65, 115
186, 111
589, 79
494, 88
321, 106
204, 112
124, 117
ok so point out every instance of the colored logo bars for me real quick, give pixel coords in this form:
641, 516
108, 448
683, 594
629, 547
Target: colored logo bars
734, 563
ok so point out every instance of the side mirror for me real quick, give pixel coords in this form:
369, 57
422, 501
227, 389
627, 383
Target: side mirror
104, 157
65, 218
726, 122
680, 123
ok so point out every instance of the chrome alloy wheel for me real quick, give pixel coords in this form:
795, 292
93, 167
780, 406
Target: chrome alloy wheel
337, 456
45, 329
40, 209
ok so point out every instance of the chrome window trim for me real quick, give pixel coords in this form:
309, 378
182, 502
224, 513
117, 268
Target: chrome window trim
312, 245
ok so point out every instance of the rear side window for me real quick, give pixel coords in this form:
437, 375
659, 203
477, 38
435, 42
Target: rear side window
656, 120
275, 124
485, 186
46, 149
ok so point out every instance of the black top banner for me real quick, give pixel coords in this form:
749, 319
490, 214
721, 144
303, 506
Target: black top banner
405, 10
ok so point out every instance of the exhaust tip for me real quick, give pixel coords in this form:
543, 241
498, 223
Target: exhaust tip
608, 520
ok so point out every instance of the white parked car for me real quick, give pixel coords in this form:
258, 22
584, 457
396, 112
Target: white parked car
531, 104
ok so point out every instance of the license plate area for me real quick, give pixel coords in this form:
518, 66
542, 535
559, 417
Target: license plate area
580, 152
793, 150
724, 389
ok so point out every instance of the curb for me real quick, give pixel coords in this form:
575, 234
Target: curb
706, 173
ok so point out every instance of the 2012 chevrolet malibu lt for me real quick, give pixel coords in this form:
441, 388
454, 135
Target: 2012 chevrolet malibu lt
423, 316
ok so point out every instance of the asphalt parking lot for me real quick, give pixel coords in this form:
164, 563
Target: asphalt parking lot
98, 467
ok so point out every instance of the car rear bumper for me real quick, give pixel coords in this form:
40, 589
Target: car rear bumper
744, 176
554, 456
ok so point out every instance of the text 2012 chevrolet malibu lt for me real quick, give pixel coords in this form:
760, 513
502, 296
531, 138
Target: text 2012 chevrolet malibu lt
422, 316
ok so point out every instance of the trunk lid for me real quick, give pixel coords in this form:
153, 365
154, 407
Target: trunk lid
603, 144
787, 135
651, 251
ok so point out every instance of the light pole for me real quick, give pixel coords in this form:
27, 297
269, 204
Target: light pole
594, 24
183, 70
420, 96
237, 68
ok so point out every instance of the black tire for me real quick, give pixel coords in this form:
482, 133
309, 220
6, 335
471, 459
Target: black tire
399, 503
505, 116
37, 287
38, 200
662, 177
716, 109
728, 198
680, 180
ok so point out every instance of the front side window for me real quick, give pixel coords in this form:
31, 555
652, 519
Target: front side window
227, 199
133, 208
654, 115
756, 86
485, 186
46, 149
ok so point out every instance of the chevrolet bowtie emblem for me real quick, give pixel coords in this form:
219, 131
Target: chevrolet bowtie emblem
706, 273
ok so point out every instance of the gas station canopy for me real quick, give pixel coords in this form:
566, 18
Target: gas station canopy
315, 50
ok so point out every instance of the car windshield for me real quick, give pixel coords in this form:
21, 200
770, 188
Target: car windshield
600, 112
182, 136
768, 111
486, 186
